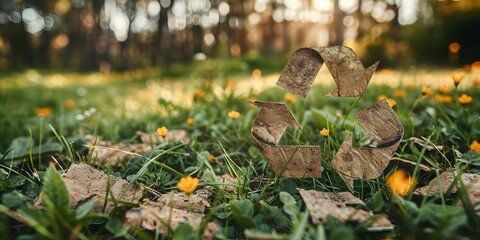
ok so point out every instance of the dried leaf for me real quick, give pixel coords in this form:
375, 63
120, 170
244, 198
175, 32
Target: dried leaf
84, 183
322, 204
106, 153
154, 213
286, 160
474, 194
179, 200
344, 65
173, 135
445, 180
227, 178
348, 198
382, 126
171, 210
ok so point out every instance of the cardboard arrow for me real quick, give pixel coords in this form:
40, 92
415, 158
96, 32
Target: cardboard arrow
347, 71
285, 160
385, 130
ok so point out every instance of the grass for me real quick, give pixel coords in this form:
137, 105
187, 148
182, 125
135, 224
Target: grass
114, 107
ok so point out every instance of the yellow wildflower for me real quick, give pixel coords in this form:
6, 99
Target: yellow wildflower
188, 184
43, 111
457, 77
383, 96
400, 182
443, 98
391, 102
426, 91
189, 121
233, 115
475, 146
324, 132
400, 93
229, 84
289, 98
162, 132
252, 98
465, 99
444, 89
256, 73
199, 94
211, 157
69, 103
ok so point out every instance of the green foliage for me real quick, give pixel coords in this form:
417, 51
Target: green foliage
242, 212
430, 221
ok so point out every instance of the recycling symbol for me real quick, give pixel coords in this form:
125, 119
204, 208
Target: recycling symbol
379, 121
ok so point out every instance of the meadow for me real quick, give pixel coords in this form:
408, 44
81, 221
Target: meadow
197, 122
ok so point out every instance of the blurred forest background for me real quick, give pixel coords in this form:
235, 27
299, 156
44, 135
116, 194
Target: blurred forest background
116, 35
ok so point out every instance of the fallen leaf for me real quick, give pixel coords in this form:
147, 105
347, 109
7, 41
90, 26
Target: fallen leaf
165, 217
228, 179
179, 200
385, 130
474, 194
323, 204
285, 160
344, 65
84, 183
443, 182
105, 153
171, 210
172, 135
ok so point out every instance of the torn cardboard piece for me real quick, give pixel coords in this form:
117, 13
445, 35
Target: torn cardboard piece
285, 160
347, 71
385, 130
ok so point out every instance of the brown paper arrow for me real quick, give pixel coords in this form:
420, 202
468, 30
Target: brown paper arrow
385, 130
288, 161
347, 70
